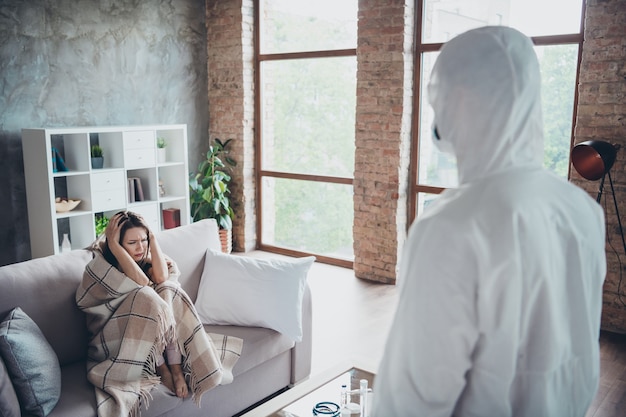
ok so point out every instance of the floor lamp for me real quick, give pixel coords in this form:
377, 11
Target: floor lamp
593, 160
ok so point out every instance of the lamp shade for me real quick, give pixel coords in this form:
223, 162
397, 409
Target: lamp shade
593, 158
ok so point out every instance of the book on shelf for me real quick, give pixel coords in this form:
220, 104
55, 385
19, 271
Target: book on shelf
135, 190
171, 218
131, 190
58, 164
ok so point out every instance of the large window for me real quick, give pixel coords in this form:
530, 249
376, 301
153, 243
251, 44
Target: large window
306, 66
306, 97
556, 29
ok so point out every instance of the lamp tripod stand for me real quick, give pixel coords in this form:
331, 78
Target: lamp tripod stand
619, 221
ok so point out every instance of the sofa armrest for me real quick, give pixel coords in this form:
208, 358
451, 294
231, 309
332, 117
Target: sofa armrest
301, 354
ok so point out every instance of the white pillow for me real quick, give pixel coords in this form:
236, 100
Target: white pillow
253, 292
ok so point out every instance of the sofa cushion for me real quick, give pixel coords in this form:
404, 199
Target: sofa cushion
253, 292
259, 345
31, 363
78, 396
9, 406
160, 401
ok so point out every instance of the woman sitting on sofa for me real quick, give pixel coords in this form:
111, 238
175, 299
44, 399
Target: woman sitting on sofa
136, 311
131, 247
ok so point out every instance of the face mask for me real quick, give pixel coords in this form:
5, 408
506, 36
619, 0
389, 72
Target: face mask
443, 146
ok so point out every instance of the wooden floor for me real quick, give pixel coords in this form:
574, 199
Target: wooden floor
351, 319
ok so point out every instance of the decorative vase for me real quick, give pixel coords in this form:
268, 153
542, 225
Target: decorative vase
97, 162
226, 239
161, 155
66, 246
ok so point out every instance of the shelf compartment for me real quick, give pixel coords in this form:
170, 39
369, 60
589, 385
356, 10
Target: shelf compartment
149, 185
176, 140
74, 149
80, 229
175, 181
74, 187
180, 204
112, 145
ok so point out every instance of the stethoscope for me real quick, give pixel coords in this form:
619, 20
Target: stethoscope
326, 408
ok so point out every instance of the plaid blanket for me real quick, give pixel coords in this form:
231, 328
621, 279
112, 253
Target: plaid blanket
130, 325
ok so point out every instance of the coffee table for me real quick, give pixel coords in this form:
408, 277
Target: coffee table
300, 400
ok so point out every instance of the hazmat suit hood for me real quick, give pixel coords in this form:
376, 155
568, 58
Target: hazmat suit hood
488, 115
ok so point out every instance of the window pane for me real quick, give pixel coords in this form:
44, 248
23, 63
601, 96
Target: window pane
444, 19
423, 201
434, 168
308, 216
304, 25
558, 83
308, 108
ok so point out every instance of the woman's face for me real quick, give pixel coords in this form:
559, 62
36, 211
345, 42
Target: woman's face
135, 241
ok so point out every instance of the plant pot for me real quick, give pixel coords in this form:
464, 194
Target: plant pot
161, 155
226, 239
97, 162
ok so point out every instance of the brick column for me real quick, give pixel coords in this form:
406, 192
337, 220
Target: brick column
230, 50
602, 116
383, 128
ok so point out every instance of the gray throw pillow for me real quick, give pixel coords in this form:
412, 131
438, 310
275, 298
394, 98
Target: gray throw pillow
31, 363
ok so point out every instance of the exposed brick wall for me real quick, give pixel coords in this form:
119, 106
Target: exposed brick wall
602, 116
231, 104
383, 126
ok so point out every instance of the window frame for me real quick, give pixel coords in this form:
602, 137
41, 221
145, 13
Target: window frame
260, 172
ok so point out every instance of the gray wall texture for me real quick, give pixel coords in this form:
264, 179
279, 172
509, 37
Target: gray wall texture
94, 63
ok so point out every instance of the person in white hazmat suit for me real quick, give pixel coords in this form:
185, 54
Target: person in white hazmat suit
501, 278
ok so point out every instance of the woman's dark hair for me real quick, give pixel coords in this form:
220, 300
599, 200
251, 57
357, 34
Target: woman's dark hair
128, 220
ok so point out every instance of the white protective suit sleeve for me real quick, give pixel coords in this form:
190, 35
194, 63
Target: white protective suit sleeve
501, 278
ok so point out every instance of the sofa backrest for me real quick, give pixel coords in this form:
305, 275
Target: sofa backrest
45, 288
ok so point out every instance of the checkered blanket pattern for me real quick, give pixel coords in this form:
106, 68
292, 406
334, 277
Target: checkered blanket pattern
130, 325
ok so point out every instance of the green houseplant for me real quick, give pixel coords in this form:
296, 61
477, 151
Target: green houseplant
208, 188
97, 159
161, 143
101, 223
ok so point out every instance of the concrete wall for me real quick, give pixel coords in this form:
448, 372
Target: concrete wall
89, 62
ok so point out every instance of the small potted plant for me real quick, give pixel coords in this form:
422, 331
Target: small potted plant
209, 192
97, 160
161, 153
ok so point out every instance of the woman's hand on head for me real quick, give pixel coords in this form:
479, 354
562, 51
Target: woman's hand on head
148, 230
113, 229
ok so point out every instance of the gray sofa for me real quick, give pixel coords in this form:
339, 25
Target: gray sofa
45, 288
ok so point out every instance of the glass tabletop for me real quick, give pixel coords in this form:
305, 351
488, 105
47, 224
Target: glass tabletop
300, 400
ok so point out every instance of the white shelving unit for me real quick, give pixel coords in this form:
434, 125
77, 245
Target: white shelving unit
129, 152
